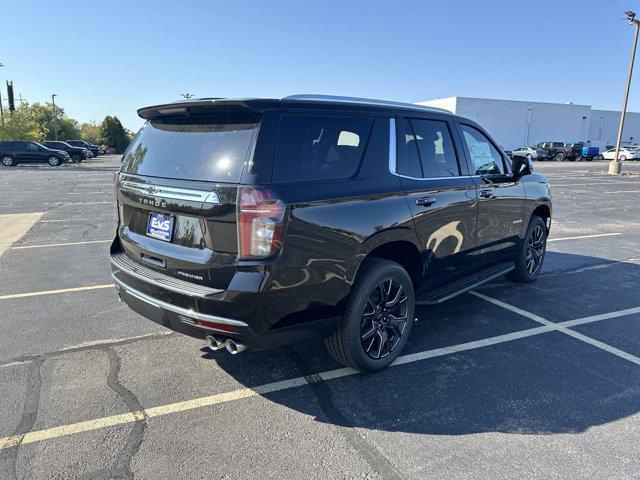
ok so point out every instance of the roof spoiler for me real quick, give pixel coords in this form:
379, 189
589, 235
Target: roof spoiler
200, 105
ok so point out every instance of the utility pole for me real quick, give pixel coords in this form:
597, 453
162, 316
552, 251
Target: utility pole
615, 166
55, 120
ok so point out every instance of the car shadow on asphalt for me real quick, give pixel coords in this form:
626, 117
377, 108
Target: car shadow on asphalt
541, 384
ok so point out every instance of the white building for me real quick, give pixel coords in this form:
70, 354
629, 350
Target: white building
515, 123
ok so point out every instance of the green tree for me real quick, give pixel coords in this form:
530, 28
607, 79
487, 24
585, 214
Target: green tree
21, 125
67, 127
90, 132
113, 134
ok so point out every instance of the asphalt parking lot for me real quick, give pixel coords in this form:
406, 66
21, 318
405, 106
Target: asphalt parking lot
536, 381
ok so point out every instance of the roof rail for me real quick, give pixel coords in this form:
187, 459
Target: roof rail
363, 101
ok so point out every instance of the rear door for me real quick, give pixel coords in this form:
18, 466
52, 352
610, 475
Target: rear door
177, 194
501, 199
440, 193
26, 152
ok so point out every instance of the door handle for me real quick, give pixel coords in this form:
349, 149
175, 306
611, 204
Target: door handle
425, 201
486, 193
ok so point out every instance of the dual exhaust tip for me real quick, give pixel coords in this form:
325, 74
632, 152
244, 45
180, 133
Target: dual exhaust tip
218, 343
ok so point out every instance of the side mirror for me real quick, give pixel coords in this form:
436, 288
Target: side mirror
521, 166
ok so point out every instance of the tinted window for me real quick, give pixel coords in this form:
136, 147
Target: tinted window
409, 158
485, 157
192, 148
319, 147
435, 148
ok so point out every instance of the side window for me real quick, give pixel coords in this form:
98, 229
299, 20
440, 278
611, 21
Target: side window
409, 159
32, 147
436, 148
319, 147
485, 157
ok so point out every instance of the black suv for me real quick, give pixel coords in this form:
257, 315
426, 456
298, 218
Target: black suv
13, 152
262, 222
77, 154
94, 149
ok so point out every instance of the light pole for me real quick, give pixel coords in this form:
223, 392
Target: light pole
55, 123
615, 167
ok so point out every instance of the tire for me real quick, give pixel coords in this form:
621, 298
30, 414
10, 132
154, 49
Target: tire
363, 318
559, 157
8, 161
53, 161
523, 272
76, 158
600, 157
579, 158
622, 158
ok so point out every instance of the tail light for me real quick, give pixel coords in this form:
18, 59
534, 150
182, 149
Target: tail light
260, 221
570, 150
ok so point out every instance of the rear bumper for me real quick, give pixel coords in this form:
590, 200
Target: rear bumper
229, 314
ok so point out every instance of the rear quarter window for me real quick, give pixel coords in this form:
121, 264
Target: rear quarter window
319, 147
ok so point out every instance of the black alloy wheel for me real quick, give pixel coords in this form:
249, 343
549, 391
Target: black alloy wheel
528, 261
384, 319
377, 318
535, 249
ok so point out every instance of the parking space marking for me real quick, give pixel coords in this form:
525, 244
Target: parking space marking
177, 407
64, 204
53, 292
13, 226
564, 328
579, 237
24, 247
87, 345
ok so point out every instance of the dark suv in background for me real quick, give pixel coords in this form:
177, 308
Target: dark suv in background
77, 154
94, 149
264, 222
13, 152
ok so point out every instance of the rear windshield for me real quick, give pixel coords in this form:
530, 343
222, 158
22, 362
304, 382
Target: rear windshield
192, 148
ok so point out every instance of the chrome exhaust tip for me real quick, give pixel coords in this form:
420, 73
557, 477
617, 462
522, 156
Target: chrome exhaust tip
214, 343
234, 347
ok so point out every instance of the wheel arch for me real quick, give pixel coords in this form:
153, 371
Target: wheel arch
399, 245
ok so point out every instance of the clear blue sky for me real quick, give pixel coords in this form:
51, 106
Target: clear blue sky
110, 58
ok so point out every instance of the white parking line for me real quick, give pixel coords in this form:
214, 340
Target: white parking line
53, 292
64, 204
177, 407
579, 237
23, 247
563, 327
93, 343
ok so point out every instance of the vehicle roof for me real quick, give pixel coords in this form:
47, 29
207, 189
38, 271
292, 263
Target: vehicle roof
260, 104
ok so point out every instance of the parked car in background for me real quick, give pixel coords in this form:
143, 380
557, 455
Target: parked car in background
532, 153
94, 149
13, 152
311, 216
556, 150
574, 151
626, 153
77, 154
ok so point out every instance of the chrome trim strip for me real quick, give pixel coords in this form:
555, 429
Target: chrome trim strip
392, 145
173, 193
365, 101
176, 309
161, 280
